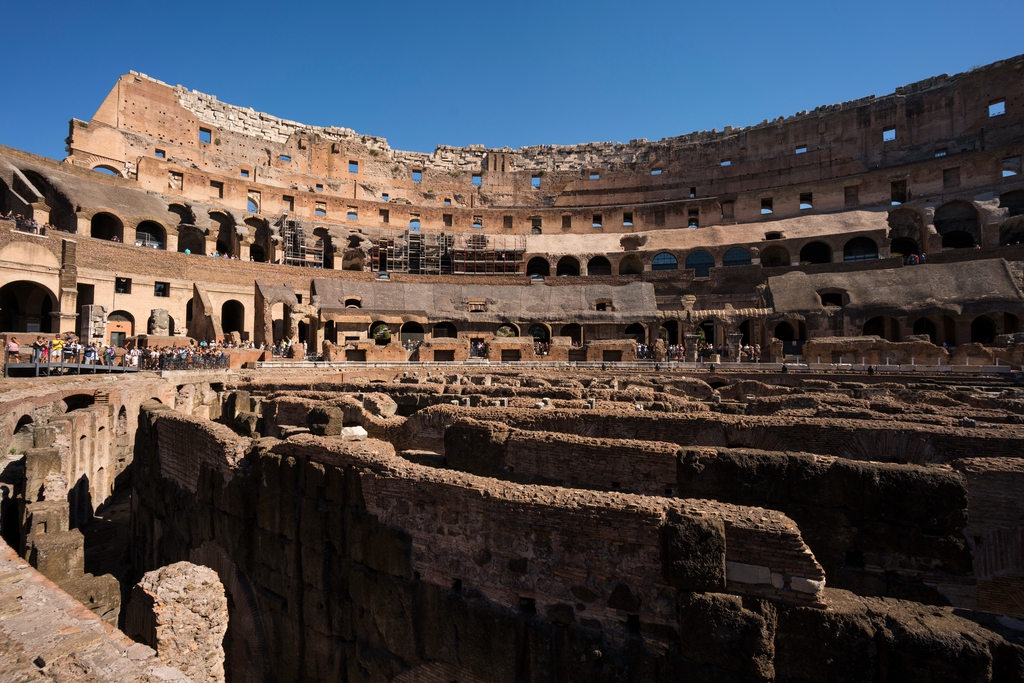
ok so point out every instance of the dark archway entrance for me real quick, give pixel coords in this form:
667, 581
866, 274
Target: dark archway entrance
26, 307
815, 252
106, 226
983, 330
538, 266
232, 317
599, 265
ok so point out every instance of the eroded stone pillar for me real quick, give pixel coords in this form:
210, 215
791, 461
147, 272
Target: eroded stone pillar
180, 611
691, 347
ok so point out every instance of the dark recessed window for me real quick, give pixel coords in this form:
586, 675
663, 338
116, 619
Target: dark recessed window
161, 289
888, 135
353, 167
997, 108
245, 173
802, 149
160, 154
205, 135
417, 176
123, 285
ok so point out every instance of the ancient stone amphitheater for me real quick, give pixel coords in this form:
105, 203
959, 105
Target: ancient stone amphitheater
515, 434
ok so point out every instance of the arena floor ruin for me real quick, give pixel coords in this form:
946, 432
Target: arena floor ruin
496, 525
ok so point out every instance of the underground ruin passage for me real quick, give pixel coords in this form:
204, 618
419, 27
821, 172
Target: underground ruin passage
466, 524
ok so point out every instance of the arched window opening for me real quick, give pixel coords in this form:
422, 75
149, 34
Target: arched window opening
831, 298
191, 241
26, 307
815, 252
107, 170
232, 316
412, 332
106, 226
539, 333
631, 265
599, 265
567, 266
860, 249
151, 235
737, 256
983, 330
538, 266
664, 261
925, 326
380, 332
958, 224
637, 332
904, 246
885, 327
505, 331
227, 236
701, 263
574, 332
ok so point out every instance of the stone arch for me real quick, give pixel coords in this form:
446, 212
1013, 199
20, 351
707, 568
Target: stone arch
926, 326
664, 261
412, 331
121, 321
506, 330
184, 213
107, 169
323, 237
227, 236
574, 331
906, 231
700, 262
540, 332
192, 240
775, 256
599, 265
959, 225
567, 265
737, 256
815, 252
26, 307
151, 234
1013, 202
860, 249
631, 265
635, 331
983, 330
262, 248
538, 265
883, 326
232, 316
106, 226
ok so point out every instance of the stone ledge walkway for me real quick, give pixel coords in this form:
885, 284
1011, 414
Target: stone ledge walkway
46, 635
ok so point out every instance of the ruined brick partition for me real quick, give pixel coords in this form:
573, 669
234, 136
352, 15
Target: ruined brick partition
349, 563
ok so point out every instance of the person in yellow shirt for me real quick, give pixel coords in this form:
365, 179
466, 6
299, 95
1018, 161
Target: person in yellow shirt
57, 349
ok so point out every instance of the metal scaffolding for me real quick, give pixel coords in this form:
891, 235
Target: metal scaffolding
297, 250
440, 253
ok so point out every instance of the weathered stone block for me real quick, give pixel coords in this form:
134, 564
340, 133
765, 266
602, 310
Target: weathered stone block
693, 552
476, 447
723, 632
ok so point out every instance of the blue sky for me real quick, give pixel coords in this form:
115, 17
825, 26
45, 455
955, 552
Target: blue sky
500, 74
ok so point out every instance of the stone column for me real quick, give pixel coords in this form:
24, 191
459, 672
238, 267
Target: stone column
180, 611
691, 347
734, 341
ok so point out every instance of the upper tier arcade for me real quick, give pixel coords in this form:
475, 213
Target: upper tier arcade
943, 135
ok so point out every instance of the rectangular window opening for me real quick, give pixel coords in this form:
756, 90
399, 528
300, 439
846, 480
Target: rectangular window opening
205, 135
385, 216
384, 196
773, 235
802, 149
288, 203
417, 176
659, 217
161, 154
997, 108
447, 201
175, 180
693, 218
353, 213
319, 187
655, 171
535, 222
477, 179
284, 157
693, 192
595, 176
478, 221
353, 167
506, 222
161, 289
414, 222
806, 201
627, 218
940, 152
888, 135
766, 206
245, 173
446, 219
535, 180
951, 177
726, 162
598, 220
1011, 166
217, 189
851, 196
899, 192
123, 285
321, 209
567, 222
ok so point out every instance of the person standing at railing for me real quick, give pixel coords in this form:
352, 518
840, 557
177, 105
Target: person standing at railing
37, 349
13, 350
